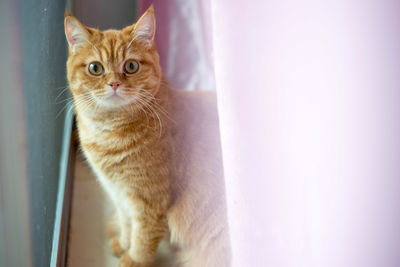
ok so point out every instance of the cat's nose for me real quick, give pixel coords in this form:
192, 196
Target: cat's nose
114, 85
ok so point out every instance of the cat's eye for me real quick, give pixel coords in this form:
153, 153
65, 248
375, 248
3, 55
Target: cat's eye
131, 66
95, 68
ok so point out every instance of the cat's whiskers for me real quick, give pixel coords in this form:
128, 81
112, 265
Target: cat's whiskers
65, 100
70, 103
141, 108
147, 95
150, 102
153, 111
155, 104
96, 105
101, 93
89, 99
64, 89
83, 102
145, 105
64, 107
132, 112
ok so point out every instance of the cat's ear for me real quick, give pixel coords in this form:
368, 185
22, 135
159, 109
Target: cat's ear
145, 27
66, 13
76, 33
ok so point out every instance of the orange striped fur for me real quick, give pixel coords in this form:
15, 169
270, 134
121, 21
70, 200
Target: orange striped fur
154, 149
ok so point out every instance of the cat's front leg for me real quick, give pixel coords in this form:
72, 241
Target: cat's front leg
147, 230
120, 243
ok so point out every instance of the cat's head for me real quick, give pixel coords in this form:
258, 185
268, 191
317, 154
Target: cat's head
111, 69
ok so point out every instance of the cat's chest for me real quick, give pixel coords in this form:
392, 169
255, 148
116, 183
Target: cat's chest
107, 147
117, 193
114, 156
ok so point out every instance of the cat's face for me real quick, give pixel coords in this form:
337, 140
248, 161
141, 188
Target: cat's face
112, 69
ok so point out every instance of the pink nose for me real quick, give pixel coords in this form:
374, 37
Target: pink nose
114, 85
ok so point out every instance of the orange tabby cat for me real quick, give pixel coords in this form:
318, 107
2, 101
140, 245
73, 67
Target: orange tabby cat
154, 149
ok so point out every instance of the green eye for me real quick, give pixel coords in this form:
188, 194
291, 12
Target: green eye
131, 66
95, 68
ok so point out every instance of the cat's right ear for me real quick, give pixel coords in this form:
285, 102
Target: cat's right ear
145, 28
76, 33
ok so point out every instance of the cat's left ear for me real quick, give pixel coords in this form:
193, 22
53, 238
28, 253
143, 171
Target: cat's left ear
76, 33
145, 28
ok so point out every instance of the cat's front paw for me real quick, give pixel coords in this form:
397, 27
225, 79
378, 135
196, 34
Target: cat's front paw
116, 247
126, 261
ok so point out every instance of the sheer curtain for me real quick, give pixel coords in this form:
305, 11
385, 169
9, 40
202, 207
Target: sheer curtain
184, 42
308, 95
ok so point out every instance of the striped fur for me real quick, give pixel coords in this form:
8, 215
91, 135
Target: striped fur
154, 149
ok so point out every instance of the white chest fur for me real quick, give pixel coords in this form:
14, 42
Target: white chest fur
116, 191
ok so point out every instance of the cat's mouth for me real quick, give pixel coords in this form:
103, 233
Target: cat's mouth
115, 100
115, 97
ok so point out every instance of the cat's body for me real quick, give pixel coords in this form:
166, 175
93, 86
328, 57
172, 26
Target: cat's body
158, 157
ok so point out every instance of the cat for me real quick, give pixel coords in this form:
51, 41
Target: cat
154, 149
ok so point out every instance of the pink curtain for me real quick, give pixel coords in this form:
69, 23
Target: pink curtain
183, 40
308, 95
